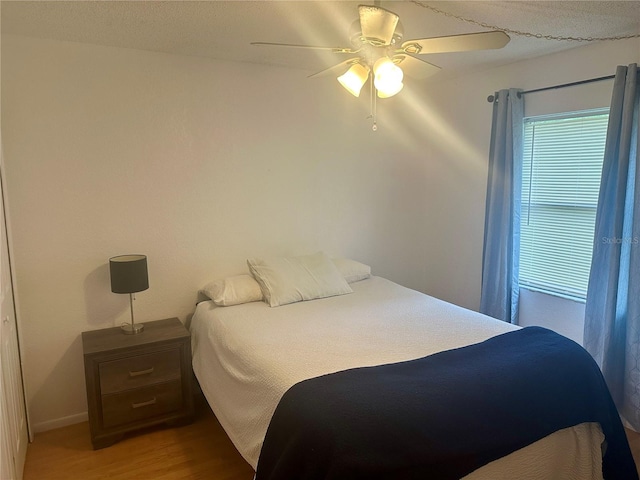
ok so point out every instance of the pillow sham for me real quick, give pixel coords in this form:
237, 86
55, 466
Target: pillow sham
351, 270
233, 290
285, 280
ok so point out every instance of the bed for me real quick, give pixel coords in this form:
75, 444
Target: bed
247, 356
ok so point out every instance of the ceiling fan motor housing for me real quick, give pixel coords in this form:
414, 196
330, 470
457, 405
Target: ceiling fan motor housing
358, 39
371, 49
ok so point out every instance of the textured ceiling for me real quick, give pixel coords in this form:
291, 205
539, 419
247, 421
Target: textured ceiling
224, 29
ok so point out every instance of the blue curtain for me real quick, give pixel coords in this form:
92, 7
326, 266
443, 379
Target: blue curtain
612, 315
501, 252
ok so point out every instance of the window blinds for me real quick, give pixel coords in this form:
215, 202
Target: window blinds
562, 165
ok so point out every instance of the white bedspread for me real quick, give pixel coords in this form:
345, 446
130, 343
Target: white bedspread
246, 356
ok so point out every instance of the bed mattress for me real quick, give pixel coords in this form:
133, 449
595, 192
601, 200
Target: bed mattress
246, 356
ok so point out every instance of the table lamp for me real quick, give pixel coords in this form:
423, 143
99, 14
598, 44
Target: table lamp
129, 275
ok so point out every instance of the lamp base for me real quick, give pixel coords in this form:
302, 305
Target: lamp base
132, 328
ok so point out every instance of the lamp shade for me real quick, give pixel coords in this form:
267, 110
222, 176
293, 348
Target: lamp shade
128, 273
390, 90
354, 79
388, 77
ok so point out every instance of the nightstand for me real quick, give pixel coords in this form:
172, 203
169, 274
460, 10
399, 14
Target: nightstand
135, 381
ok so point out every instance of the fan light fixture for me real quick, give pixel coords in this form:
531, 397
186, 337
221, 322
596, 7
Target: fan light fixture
354, 78
387, 78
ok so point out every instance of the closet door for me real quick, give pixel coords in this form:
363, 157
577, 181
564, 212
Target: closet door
13, 418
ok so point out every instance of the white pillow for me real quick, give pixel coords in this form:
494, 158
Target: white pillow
286, 280
351, 270
233, 290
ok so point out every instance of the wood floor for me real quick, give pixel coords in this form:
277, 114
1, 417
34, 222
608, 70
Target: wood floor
201, 450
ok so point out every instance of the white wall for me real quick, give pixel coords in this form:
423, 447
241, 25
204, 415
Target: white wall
197, 163
200, 164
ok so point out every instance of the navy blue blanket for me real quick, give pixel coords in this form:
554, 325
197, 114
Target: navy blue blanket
442, 416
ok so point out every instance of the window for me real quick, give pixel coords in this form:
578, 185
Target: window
561, 169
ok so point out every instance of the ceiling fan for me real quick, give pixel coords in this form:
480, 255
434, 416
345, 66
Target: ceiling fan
379, 52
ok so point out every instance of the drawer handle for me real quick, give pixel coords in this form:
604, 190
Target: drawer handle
141, 372
144, 404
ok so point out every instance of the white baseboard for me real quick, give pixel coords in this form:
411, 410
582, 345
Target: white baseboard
60, 422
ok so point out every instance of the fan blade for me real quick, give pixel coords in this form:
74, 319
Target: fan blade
415, 67
341, 66
457, 43
312, 47
377, 24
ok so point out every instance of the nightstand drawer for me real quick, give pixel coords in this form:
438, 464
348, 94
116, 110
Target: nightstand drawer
130, 406
139, 371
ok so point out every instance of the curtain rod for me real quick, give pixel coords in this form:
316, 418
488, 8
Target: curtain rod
491, 98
